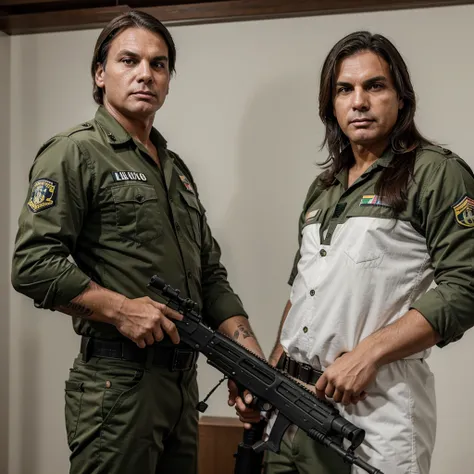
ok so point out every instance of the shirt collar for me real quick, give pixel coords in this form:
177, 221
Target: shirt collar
382, 162
117, 135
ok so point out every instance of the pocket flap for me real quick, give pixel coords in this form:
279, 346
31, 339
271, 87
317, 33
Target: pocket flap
74, 386
133, 193
191, 200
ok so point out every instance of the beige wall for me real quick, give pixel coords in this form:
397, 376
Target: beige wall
242, 112
4, 248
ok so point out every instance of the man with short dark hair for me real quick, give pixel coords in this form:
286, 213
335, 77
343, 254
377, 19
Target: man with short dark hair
391, 213
112, 195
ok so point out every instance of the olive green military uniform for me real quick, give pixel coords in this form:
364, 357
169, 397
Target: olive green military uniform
360, 268
96, 194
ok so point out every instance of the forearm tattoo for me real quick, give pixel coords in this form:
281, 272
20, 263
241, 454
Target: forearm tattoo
75, 309
244, 331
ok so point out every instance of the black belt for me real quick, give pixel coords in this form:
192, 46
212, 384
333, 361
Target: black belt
303, 372
158, 355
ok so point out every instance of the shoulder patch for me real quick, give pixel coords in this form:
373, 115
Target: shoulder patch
44, 193
464, 211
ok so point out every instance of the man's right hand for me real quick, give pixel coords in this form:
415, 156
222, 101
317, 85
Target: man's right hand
247, 414
145, 321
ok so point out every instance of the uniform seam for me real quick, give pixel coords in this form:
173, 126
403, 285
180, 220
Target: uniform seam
180, 383
91, 164
418, 279
411, 404
425, 186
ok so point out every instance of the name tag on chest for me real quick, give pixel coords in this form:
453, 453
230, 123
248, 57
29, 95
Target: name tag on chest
128, 176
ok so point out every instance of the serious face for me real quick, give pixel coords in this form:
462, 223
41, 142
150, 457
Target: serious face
365, 101
135, 78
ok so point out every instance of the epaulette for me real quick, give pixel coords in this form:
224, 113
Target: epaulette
76, 129
67, 133
437, 149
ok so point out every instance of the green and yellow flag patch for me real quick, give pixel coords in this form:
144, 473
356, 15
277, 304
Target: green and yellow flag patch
371, 200
464, 212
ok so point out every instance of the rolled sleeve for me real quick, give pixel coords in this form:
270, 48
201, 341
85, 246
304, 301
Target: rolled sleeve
224, 307
47, 235
449, 232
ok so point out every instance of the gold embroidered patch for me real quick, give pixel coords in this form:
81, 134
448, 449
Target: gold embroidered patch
43, 195
464, 212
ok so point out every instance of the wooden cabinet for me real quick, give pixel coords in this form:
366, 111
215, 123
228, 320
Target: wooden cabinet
218, 441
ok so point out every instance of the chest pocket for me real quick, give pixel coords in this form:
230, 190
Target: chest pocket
192, 215
367, 234
137, 212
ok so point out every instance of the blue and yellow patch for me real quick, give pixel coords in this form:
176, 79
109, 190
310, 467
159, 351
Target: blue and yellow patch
464, 211
44, 193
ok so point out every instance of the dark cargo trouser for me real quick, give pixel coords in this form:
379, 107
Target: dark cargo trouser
299, 454
122, 418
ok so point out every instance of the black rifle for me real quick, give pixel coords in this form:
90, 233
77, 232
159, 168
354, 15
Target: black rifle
271, 387
247, 460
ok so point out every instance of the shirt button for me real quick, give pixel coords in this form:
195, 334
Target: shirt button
323, 253
312, 292
171, 199
139, 198
305, 329
190, 274
177, 227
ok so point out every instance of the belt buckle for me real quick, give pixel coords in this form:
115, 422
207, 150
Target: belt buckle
86, 348
304, 372
182, 360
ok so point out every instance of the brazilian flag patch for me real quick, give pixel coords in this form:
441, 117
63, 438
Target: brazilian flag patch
44, 193
464, 212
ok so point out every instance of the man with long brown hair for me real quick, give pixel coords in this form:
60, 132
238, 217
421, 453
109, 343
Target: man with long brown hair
112, 195
391, 214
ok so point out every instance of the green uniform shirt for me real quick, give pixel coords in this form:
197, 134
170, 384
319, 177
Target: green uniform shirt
96, 195
360, 268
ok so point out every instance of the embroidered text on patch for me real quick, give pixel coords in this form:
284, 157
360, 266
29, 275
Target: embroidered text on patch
186, 183
43, 195
128, 176
372, 200
464, 212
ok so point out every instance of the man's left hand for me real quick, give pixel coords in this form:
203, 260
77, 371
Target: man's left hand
346, 379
